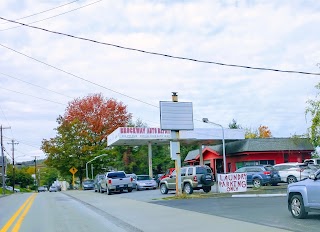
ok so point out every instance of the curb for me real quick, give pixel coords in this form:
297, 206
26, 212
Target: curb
261, 195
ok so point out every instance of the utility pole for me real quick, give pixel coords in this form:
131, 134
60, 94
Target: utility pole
2, 168
13, 168
35, 170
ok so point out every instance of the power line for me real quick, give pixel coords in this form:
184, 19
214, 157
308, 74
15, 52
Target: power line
53, 15
78, 77
35, 85
164, 55
28, 16
33, 96
6, 120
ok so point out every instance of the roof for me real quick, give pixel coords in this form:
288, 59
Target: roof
192, 155
259, 145
269, 144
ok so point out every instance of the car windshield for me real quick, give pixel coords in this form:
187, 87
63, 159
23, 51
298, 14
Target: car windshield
88, 181
116, 175
269, 168
202, 170
143, 178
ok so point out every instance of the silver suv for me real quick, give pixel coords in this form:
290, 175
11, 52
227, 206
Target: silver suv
192, 178
304, 196
293, 172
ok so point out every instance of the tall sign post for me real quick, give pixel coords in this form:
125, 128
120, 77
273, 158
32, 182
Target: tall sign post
176, 116
73, 171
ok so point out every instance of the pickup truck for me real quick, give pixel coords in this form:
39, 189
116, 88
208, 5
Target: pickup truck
304, 196
115, 181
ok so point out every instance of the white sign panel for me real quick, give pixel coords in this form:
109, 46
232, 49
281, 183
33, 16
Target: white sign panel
176, 115
232, 182
174, 149
138, 133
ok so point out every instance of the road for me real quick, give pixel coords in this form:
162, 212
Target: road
52, 212
143, 211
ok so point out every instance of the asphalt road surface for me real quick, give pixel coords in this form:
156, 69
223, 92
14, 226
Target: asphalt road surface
89, 211
270, 211
52, 212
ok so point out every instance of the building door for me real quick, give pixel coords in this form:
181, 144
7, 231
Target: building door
219, 166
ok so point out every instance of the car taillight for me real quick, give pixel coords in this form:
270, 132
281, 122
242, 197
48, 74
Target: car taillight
131, 179
195, 179
267, 172
109, 182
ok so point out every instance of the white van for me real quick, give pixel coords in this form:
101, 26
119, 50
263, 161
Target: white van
312, 161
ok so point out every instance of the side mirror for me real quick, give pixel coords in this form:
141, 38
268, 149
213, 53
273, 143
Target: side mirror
312, 176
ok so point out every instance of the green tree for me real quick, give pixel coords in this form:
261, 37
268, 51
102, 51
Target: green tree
234, 125
22, 177
313, 109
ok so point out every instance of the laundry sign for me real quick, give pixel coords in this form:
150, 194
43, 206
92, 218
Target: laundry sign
232, 182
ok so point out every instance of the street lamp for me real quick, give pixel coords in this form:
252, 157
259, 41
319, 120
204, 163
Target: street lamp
91, 161
206, 120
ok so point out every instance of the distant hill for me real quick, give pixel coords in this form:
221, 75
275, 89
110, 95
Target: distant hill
40, 163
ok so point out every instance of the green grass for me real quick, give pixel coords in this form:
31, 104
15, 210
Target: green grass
199, 195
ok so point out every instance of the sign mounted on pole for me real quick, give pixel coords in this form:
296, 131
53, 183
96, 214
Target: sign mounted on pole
176, 116
73, 170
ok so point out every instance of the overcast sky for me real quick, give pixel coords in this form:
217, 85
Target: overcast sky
41, 72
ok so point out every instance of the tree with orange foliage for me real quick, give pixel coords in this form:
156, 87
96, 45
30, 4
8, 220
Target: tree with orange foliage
264, 132
261, 132
82, 132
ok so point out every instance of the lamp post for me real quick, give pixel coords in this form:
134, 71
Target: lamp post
206, 120
91, 161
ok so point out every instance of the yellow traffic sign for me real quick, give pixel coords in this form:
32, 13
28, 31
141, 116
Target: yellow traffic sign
73, 170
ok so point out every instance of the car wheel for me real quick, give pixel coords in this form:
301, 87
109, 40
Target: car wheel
256, 183
187, 188
291, 179
297, 207
129, 190
206, 189
163, 189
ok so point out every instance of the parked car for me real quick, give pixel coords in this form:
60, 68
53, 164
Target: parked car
42, 189
157, 178
259, 175
53, 189
96, 182
293, 172
10, 188
134, 180
304, 197
192, 178
115, 181
88, 185
167, 173
312, 161
145, 182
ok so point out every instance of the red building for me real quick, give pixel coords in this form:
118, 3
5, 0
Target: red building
253, 152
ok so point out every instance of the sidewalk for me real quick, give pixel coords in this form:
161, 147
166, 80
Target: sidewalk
156, 218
